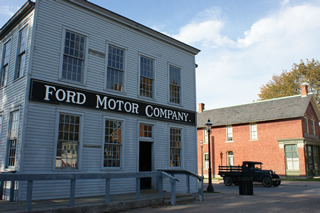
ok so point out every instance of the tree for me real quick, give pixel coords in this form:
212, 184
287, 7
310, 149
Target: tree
289, 83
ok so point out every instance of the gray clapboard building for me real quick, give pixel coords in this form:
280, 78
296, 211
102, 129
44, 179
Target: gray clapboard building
86, 90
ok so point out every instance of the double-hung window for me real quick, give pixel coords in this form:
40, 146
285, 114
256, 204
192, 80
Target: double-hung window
175, 147
253, 132
306, 125
13, 137
112, 144
146, 77
68, 141
175, 84
206, 161
0, 126
5, 63
74, 57
313, 127
229, 133
22, 49
115, 70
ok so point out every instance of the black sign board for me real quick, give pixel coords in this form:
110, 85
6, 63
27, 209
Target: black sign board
59, 94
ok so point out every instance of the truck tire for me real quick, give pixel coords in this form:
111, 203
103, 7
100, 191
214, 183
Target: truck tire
227, 181
276, 183
267, 181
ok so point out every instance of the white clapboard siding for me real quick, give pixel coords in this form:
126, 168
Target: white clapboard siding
53, 17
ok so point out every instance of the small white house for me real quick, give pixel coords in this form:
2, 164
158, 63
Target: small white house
86, 90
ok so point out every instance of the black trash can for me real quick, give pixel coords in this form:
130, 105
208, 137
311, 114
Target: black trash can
245, 186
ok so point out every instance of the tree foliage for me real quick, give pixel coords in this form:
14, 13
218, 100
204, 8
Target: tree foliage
289, 82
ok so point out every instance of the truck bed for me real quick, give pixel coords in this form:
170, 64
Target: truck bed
230, 170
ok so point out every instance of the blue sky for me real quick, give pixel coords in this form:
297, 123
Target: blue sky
242, 42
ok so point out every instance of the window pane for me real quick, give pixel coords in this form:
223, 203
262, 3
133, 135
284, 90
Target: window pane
112, 143
175, 147
146, 77
115, 68
73, 60
13, 135
68, 141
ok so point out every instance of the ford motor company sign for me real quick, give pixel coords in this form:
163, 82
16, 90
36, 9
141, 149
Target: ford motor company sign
59, 94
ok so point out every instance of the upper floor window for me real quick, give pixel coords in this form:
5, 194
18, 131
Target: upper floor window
0, 126
5, 64
68, 141
146, 76
22, 49
115, 70
205, 136
253, 132
229, 133
73, 57
306, 125
13, 138
175, 84
175, 147
313, 127
112, 143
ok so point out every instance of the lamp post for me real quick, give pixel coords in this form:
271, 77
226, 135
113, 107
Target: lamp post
201, 143
210, 187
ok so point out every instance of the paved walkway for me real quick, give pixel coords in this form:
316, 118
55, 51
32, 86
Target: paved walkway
295, 197
292, 197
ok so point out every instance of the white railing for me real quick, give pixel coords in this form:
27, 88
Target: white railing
72, 177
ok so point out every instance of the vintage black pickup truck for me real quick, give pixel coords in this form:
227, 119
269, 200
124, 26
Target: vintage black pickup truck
250, 169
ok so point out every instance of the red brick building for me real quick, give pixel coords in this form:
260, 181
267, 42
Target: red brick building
282, 133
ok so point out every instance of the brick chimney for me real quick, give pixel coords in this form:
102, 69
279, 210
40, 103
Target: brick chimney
304, 90
200, 107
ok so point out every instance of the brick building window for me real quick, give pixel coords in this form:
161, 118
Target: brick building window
306, 127
253, 132
206, 161
229, 133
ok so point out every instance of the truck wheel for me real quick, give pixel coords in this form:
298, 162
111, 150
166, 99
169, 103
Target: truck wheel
276, 183
267, 181
227, 181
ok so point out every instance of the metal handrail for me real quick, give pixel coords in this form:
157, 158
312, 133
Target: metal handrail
188, 173
76, 176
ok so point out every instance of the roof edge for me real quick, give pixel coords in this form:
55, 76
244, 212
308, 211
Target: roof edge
134, 25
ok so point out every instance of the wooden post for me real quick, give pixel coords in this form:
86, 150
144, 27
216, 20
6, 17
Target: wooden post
29, 195
107, 190
72, 192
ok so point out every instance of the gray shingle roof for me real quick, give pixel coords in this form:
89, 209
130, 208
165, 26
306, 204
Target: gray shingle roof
274, 109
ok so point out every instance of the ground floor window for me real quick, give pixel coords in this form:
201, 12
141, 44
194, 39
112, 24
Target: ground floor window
68, 141
175, 147
13, 137
112, 143
292, 157
206, 161
230, 158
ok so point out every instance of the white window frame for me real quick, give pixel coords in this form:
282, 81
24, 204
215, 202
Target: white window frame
5, 62
19, 73
313, 127
228, 133
80, 145
205, 136
181, 148
85, 60
153, 79
252, 132
125, 50
205, 163
179, 86
306, 125
1, 122
122, 152
7, 166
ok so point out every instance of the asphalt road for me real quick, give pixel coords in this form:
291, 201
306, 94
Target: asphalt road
290, 196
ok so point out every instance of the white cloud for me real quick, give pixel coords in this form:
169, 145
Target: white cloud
5, 10
232, 72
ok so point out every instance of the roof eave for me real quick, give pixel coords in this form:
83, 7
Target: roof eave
134, 25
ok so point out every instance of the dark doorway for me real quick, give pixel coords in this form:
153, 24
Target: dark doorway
145, 163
